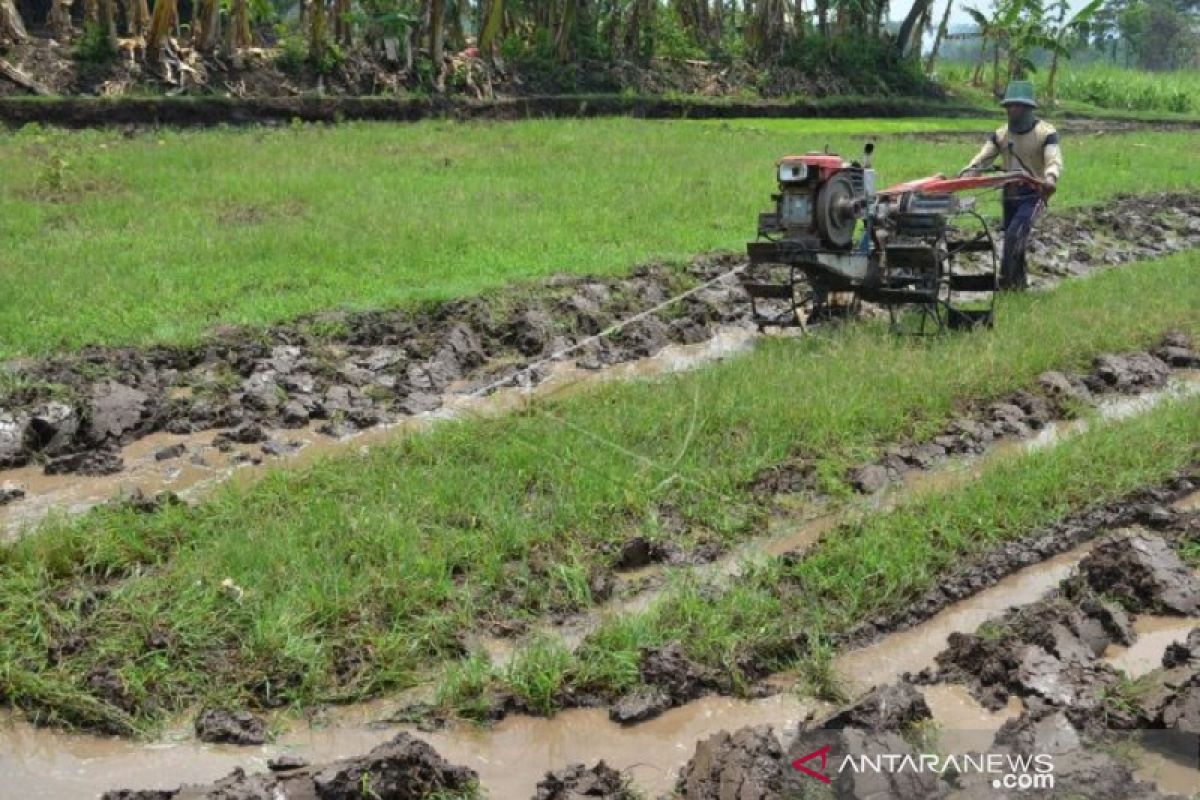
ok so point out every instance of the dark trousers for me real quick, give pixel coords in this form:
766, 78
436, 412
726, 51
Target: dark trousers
1020, 208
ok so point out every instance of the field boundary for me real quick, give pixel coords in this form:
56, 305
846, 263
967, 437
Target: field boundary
87, 112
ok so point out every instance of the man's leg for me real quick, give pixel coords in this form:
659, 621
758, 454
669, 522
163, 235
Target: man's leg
1018, 225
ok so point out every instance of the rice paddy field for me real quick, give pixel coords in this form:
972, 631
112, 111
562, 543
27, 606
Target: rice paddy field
455, 445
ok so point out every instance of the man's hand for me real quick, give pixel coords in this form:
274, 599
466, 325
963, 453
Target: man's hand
1049, 188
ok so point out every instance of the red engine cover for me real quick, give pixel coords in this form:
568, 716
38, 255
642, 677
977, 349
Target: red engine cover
824, 163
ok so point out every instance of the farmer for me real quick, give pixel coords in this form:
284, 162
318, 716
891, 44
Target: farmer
1028, 145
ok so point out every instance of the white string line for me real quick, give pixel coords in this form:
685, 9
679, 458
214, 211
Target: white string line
673, 474
611, 329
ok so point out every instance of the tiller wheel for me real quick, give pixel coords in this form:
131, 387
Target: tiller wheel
919, 248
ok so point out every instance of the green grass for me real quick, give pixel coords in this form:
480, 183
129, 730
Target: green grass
1102, 88
159, 237
781, 615
360, 575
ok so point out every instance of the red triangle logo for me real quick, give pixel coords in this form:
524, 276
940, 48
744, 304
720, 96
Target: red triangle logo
823, 753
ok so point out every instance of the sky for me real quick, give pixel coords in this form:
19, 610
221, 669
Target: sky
957, 17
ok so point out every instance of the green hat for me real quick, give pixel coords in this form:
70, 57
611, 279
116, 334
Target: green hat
1019, 92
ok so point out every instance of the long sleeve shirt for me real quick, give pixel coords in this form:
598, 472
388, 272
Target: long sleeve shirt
1036, 151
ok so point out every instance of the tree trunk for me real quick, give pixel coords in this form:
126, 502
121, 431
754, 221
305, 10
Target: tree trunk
240, 23
1050, 79
317, 31
60, 19
108, 22
490, 29
161, 22
437, 19
12, 27
137, 17
996, 67
206, 25
341, 22
943, 26
904, 37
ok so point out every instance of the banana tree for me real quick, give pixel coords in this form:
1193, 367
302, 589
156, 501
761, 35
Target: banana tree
997, 30
12, 27
1061, 33
943, 26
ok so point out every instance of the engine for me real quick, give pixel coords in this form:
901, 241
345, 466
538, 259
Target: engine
820, 200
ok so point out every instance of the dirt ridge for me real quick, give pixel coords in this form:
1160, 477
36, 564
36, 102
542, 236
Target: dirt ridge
356, 370
81, 112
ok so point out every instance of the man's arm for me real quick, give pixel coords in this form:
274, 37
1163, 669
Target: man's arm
1052, 157
1052, 153
986, 155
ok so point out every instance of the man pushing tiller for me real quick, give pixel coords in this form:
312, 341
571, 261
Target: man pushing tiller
1029, 145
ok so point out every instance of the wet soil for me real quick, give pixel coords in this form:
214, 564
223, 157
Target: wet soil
514, 755
1148, 507
402, 769
343, 372
1022, 415
80, 112
1047, 657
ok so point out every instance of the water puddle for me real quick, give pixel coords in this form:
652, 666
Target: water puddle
1154, 634
202, 466
954, 709
914, 649
510, 757
1172, 773
1183, 383
1189, 503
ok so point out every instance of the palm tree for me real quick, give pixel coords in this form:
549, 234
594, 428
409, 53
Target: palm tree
1059, 35
937, 39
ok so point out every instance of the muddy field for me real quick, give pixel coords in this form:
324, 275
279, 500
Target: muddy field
343, 372
1075, 636
1039, 676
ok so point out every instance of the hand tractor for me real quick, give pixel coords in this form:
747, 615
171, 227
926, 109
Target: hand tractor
833, 240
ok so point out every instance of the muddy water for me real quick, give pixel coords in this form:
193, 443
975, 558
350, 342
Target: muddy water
956, 710
914, 649
1189, 503
1170, 773
510, 758
1153, 635
202, 467
1183, 383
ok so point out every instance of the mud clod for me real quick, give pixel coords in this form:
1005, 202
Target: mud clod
402, 769
95, 462
286, 762
578, 781
230, 727
646, 702
884, 708
10, 491
243, 434
167, 453
1145, 572
1185, 653
639, 552
1131, 373
745, 765
671, 679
